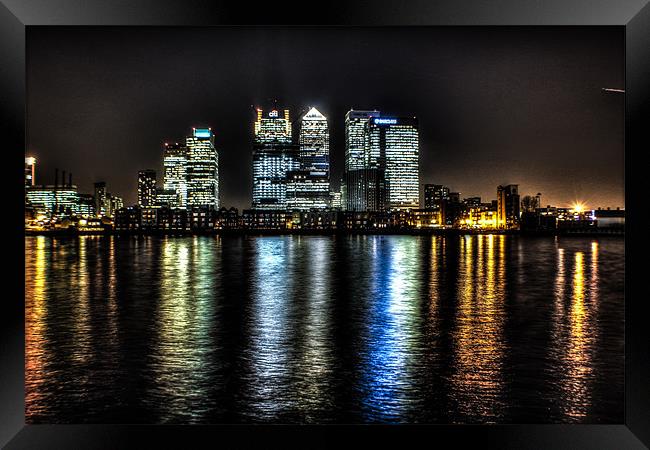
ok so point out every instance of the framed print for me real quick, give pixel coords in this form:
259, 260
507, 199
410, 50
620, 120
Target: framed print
285, 223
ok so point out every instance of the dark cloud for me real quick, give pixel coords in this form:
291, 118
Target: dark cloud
508, 104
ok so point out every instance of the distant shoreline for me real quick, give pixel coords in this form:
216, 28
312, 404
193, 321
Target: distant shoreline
414, 232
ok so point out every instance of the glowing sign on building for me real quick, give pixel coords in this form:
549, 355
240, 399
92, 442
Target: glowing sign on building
202, 132
273, 113
385, 121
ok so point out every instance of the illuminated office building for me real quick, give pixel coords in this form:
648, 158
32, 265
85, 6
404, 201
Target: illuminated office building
314, 142
305, 190
355, 129
147, 188
30, 171
355, 188
202, 169
274, 156
166, 198
86, 206
175, 173
113, 204
335, 200
393, 144
507, 206
100, 198
314, 160
273, 128
54, 200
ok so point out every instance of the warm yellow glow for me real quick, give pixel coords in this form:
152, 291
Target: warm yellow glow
579, 207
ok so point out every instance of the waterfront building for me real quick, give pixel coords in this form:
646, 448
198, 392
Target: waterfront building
175, 172
305, 190
86, 206
100, 198
392, 144
259, 219
30, 171
435, 195
166, 197
113, 204
274, 156
508, 206
610, 218
54, 200
147, 188
202, 169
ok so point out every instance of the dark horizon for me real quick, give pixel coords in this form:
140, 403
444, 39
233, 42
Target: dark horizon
496, 105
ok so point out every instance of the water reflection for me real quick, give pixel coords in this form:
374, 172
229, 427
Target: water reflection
267, 394
322, 329
479, 345
184, 321
392, 332
36, 303
575, 331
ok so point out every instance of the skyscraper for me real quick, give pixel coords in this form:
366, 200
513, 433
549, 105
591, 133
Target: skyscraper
354, 188
508, 206
309, 188
393, 144
202, 169
147, 188
273, 156
314, 142
175, 173
355, 123
30, 171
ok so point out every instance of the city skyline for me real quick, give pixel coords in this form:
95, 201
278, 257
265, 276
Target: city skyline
530, 113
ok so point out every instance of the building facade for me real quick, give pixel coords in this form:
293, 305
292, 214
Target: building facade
202, 169
314, 162
307, 190
175, 173
147, 188
507, 216
274, 156
30, 171
392, 144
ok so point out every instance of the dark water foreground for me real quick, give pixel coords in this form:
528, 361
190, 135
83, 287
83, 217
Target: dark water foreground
437, 329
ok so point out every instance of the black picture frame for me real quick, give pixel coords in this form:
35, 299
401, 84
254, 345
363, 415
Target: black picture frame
17, 15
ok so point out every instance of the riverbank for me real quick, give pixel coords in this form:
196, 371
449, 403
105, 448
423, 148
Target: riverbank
302, 232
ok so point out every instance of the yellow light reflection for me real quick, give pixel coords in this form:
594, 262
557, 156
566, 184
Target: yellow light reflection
479, 346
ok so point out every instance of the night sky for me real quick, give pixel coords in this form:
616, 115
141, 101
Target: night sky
496, 105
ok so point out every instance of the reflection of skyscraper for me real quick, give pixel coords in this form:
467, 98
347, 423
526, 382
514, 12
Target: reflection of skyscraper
202, 169
508, 206
175, 173
392, 144
273, 156
30, 171
147, 188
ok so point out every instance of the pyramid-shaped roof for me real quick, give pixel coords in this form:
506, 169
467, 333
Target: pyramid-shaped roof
314, 114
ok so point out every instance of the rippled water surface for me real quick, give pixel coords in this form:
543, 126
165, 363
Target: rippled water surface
467, 329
